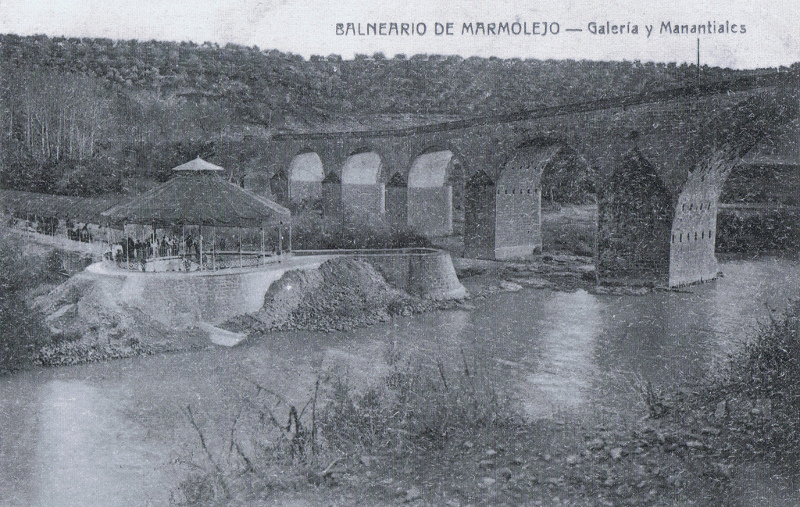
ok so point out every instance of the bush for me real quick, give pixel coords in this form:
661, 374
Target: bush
22, 329
766, 373
422, 405
754, 232
312, 231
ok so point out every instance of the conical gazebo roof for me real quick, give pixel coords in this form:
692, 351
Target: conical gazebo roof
197, 195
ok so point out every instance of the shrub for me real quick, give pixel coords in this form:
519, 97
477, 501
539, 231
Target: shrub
753, 232
767, 372
312, 231
21, 329
418, 406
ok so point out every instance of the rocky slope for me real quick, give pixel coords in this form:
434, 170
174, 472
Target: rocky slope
341, 294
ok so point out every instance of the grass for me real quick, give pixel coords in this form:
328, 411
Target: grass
756, 399
745, 414
436, 433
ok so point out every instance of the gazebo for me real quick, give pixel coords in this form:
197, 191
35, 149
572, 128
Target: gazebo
197, 196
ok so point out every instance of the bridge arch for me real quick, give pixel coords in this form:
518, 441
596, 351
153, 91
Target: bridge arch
306, 173
363, 188
722, 144
431, 180
518, 193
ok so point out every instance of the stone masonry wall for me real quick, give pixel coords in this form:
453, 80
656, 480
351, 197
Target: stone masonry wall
430, 210
693, 237
178, 299
479, 218
518, 229
304, 190
397, 207
424, 273
332, 200
363, 204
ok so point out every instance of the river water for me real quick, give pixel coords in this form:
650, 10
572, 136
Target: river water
117, 433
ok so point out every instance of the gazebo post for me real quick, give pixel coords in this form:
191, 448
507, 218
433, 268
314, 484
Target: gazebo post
183, 242
280, 240
261, 257
213, 248
201, 247
240, 246
127, 247
290, 235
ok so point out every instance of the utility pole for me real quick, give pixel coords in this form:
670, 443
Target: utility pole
698, 64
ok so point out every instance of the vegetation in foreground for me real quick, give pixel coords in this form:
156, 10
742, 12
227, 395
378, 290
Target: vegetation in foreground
22, 331
442, 434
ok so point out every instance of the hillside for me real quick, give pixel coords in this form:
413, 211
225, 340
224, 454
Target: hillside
88, 116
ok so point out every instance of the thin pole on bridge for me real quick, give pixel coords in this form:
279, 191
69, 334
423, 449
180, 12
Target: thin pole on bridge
698, 63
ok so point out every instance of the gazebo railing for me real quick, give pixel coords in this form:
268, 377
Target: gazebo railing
211, 261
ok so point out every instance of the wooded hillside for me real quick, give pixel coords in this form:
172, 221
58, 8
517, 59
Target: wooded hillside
88, 116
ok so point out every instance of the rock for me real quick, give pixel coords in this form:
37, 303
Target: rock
596, 444
547, 457
486, 463
572, 459
510, 286
487, 482
491, 453
365, 460
708, 430
505, 473
413, 493
694, 444
468, 444
516, 460
615, 453
721, 410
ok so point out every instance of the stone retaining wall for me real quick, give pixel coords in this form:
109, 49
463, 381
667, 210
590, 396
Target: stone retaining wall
181, 299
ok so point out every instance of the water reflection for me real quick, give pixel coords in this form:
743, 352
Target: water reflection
564, 371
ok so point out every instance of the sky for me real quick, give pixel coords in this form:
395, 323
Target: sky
770, 36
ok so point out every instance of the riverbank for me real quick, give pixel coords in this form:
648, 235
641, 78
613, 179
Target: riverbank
431, 434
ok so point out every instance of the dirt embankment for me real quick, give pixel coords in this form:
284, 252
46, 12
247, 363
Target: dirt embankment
88, 323
341, 295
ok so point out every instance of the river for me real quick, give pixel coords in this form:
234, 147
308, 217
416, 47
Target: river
117, 433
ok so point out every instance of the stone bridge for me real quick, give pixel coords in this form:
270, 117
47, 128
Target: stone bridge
659, 161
